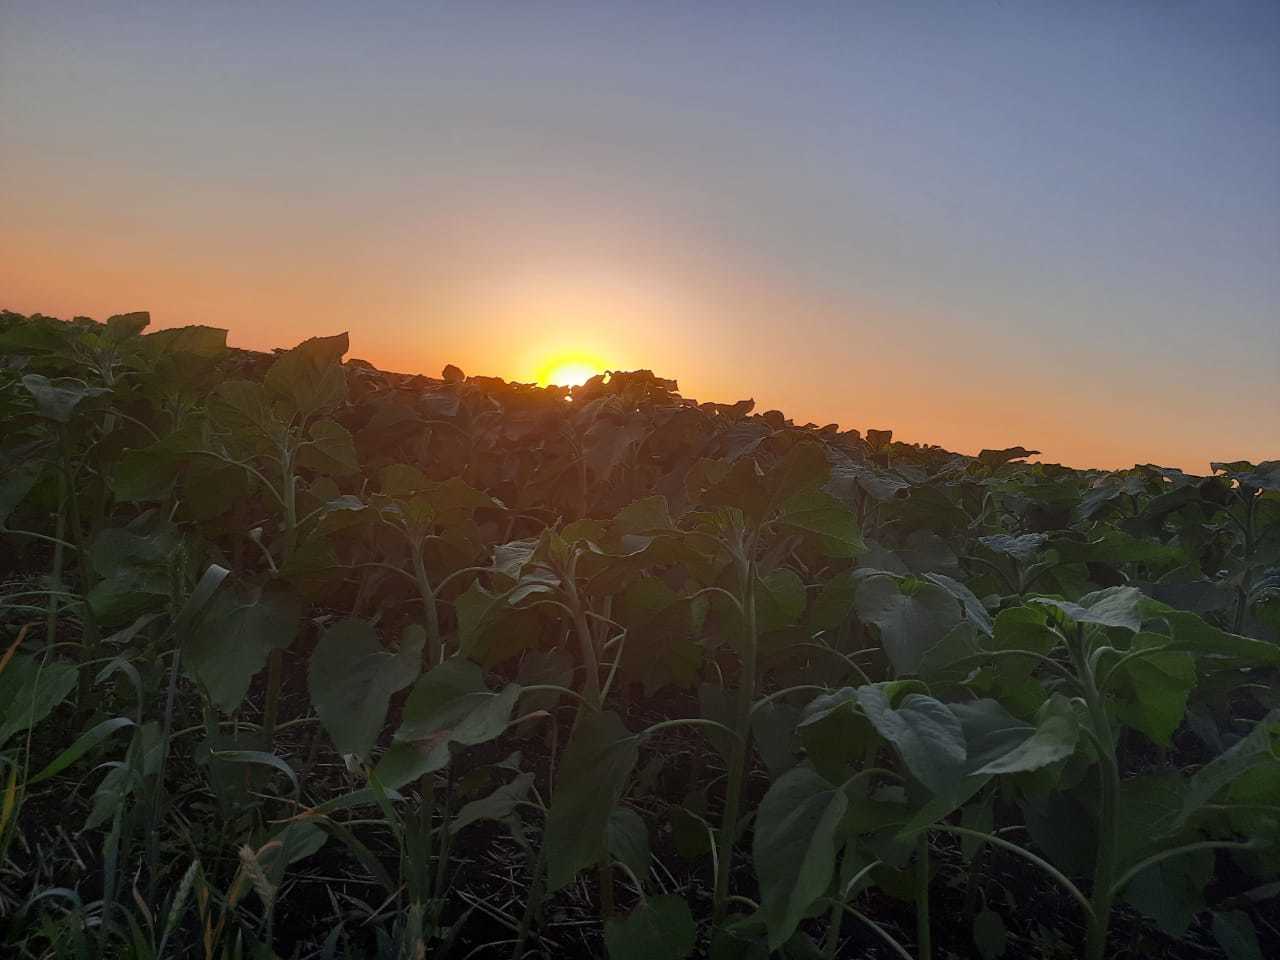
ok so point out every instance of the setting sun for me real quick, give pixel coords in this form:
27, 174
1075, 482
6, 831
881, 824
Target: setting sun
569, 372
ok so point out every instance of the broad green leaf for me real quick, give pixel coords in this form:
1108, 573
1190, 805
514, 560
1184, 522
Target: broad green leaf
773, 733
989, 935
245, 397
593, 774
135, 567
1192, 634
145, 473
352, 679
29, 690
780, 599
802, 469
660, 627
1171, 892
1259, 746
489, 629
974, 611
498, 805
794, 848
1021, 548
122, 326
1055, 735
310, 376
197, 340
660, 928
330, 450
402, 480
834, 602
1152, 691
926, 734
1112, 607
629, 840
834, 523
911, 616
449, 705
57, 400
237, 634
835, 733
643, 516
15, 483
1020, 628
1235, 934
997, 743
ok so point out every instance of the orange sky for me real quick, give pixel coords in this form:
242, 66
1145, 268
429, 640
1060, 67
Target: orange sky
1024, 227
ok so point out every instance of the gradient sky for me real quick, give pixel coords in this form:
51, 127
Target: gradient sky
979, 224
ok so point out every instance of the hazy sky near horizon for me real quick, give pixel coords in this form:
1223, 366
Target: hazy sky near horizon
979, 224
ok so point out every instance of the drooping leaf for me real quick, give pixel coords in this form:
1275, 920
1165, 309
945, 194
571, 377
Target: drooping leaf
352, 679
1235, 934
593, 774
449, 705
122, 326
1112, 607
629, 840
1054, 738
834, 523
1258, 747
1171, 892
911, 616
660, 928
330, 449
310, 376
197, 340
795, 846
57, 400
29, 691
498, 805
237, 634
989, 935
16, 483
926, 734
1152, 690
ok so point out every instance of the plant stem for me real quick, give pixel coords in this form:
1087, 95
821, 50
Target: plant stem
738, 756
536, 888
924, 939
586, 644
89, 642
431, 615
275, 663
51, 625
1103, 894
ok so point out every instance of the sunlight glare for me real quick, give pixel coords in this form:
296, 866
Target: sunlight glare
569, 372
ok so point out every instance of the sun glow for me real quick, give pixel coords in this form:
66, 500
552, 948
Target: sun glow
569, 371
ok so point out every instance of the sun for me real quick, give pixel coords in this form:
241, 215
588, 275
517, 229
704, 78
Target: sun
569, 371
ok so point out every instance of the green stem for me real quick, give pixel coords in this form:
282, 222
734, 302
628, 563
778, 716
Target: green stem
431, 614
1118, 887
536, 888
51, 625
586, 644
1026, 854
924, 939
275, 663
89, 643
738, 757
1108, 797
593, 700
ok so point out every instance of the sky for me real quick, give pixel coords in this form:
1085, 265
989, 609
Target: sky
979, 224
